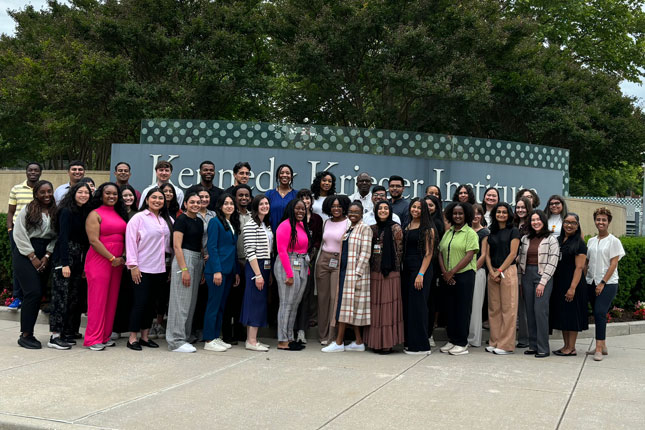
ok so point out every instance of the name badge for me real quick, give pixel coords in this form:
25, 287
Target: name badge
296, 264
333, 263
267, 264
377, 248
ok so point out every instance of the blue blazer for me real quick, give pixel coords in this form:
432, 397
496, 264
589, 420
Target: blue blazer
221, 245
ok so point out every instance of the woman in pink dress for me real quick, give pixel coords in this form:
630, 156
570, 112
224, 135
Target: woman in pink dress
105, 227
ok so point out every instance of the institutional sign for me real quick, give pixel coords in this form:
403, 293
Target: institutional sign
421, 158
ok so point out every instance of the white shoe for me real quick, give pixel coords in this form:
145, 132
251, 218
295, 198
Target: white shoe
301, 337
214, 346
187, 347
257, 347
499, 351
110, 343
97, 347
333, 347
432, 342
224, 344
355, 347
324, 342
447, 347
490, 349
115, 335
459, 350
428, 352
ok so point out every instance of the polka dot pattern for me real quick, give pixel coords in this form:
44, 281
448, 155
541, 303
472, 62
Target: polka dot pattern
355, 140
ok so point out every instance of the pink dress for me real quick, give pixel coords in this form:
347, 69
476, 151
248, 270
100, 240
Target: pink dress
103, 280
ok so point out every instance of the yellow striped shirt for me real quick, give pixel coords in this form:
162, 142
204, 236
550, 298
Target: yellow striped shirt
20, 196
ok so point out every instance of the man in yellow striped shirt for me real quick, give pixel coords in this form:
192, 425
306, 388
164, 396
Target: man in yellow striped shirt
19, 196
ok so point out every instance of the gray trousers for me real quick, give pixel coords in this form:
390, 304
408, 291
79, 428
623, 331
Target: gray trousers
290, 296
537, 309
181, 306
522, 324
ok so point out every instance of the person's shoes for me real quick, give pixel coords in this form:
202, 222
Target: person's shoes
490, 349
542, 355
333, 347
432, 342
187, 347
597, 356
604, 351
301, 337
115, 336
296, 346
530, 352
29, 342
522, 345
324, 342
224, 344
458, 350
135, 346
355, 347
447, 347
70, 340
58, 343
559, 353
407, 351
257, 347
15, 304
214, 346
100, 346
110, 343
148, 343
264, 345
500, 351
385, 351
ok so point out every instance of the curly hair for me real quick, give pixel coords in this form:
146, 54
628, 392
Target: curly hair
97, 200
343, 201
469, 190
601, 211
34, 218
315, 185
290, 215
469, 212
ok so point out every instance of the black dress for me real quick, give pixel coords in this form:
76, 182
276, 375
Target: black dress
569, 316
415, 302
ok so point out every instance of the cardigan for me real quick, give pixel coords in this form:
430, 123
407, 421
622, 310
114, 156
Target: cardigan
258, 240
548, 257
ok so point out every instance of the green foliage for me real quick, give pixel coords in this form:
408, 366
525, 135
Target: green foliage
631, 284
5, 256
601, 181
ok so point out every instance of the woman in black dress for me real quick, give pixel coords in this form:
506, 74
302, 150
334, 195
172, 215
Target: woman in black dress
569, 297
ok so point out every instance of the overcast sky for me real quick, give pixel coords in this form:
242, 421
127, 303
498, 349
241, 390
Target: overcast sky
7, 26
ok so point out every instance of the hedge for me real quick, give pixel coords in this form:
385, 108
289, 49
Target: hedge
631, 268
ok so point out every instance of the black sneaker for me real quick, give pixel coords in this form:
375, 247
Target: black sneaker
58, 343
70, 340
29, 342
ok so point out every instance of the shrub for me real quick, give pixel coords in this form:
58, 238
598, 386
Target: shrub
631, 272
5, 255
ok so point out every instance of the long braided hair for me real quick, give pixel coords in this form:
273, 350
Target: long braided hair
35, 209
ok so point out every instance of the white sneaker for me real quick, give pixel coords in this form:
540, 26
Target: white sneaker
110, 343
224, 344
324, 342
407, 351
257, 347
115, 335
432, 342
490, 349
333, 347
187, 347
447, 347
355, 347
214, 346
499, 351
97, 347
301, 337
459, 350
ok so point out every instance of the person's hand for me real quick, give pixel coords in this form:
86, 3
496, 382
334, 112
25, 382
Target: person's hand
289, 281
599, 288
67, 272
43, 263
259, 283
448, 276
217, 278
36, 263
185, 278
237, 280
539, 290
418, 282
495, 275
117, 262
569, 295
136, 275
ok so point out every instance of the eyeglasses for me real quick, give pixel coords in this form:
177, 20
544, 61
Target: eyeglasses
572, 223
555, 203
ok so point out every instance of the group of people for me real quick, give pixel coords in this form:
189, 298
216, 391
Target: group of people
216, 265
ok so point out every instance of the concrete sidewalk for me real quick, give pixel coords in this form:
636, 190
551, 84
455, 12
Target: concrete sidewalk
157, 389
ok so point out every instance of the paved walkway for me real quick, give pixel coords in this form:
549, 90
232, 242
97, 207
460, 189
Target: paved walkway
156, 389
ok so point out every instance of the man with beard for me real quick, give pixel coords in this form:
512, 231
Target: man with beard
207, 174
19, 197
241, 175
75, 171
122, 173
400, 205
363, 184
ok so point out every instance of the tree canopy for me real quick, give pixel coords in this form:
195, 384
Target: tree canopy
78, 77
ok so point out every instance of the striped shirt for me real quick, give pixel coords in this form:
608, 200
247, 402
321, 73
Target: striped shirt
258, 240
20, 196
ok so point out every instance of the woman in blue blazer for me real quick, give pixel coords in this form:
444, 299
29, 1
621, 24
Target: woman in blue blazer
221, 269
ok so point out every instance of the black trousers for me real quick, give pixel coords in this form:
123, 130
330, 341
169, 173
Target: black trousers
415, 308
69, 295
460, 305
124, 304
17, 291
232, 329
143, 306
33, 284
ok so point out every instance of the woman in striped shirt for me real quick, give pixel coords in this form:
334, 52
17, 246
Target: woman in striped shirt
258, 240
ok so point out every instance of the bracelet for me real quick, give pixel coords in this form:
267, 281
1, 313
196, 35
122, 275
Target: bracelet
112, 259
421, 274
32, 258
185, 269
256, 277
500, 270
602, 282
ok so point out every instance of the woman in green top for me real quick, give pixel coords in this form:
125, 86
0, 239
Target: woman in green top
458, 265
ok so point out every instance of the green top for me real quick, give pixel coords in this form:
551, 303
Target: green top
455, 244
